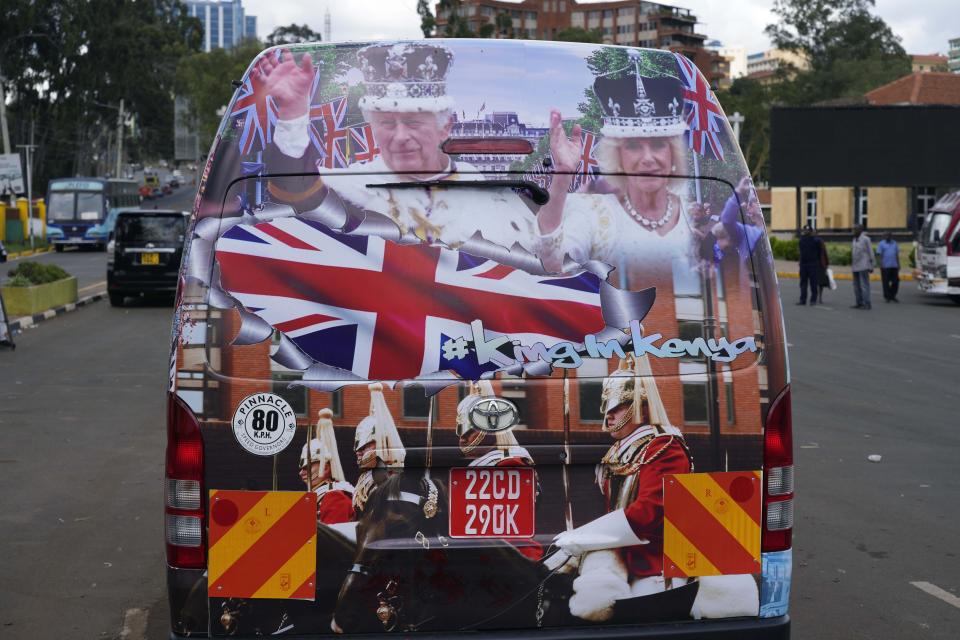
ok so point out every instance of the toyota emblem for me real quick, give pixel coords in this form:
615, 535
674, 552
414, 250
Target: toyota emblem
493, 414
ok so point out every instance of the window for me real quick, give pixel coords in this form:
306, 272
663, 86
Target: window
625, 12
531, 15
861, 204
296, 396
689, 330
590, 387
416, 404
514, 389
686, 282
924, 197
694, 379
336, 403
695, 402
608, 13
811, 200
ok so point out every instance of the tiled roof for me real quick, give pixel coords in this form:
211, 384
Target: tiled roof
919, 88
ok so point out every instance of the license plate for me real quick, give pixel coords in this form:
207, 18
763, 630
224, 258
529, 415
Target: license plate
149, 258
492, 503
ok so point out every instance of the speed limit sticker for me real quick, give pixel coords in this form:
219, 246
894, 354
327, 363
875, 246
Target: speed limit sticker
264, 424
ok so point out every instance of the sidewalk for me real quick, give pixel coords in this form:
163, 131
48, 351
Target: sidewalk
790, 269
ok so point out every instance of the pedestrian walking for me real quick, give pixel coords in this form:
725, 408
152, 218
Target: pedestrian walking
889, 254
810, 260
862, 265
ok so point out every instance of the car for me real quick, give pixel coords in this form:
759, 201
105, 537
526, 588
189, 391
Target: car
145, 192
167, 189
454, 375
156, 192
144, 253
174, 183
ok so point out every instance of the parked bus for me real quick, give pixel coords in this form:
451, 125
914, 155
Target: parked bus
939, 257
82, 211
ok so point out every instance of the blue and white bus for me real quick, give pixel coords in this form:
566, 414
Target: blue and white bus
83, 211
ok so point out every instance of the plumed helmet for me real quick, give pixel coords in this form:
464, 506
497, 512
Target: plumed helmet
633, 383
379, 427
317, 453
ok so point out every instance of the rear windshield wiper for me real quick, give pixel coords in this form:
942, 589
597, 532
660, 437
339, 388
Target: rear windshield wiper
538, 194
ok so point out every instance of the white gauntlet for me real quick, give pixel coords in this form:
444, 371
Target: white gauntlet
611, 531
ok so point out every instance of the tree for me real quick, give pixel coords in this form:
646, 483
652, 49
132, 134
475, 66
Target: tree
579, 34
205, 80
292, 34
428, 23
68, 63
850, 51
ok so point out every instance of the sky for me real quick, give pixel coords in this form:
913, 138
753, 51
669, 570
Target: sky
735, 22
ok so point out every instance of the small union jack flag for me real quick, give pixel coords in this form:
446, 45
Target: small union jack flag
384, 310
703, 113
588, 165
366, 146
255, 114
332, 143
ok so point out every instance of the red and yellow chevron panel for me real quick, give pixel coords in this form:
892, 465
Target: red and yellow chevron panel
262, 544
711, 523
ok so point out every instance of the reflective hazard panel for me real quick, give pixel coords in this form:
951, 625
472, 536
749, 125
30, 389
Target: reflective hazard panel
262, 544
711, 523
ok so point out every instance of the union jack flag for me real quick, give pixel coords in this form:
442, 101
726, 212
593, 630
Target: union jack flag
255, 113
703, 112
588, 165
366, 146
384, 310
332, 143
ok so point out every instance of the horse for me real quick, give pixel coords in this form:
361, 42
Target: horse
409, 575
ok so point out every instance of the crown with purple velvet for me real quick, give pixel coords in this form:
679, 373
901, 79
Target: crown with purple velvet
405, 77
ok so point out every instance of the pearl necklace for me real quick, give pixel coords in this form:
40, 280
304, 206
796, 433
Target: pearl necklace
650, 224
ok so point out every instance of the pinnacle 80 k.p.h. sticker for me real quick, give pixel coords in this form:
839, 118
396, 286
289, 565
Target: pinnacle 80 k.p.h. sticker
264, 424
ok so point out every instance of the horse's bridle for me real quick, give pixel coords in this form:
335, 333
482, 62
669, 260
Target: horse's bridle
390, 600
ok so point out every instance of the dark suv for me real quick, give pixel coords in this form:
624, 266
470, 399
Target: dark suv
145, 256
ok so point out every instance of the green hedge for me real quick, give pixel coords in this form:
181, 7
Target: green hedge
839, 254
31, 273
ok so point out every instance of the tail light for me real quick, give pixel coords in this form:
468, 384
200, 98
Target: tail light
183, 522
778, 476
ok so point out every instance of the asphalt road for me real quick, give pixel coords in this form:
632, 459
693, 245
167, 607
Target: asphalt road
83, 414
881, 382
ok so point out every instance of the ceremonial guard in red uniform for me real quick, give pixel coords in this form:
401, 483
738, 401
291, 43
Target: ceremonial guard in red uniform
322, 472
377, 445
499, 449
621, 553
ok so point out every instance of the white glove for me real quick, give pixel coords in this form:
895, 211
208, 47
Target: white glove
611, 531
563, 561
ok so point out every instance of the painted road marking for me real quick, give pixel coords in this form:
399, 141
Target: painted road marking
937, 592
92, 286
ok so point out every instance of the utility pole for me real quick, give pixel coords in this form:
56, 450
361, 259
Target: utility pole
3, 116
119, 139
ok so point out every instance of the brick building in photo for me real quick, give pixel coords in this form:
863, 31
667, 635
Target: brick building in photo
635, 23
